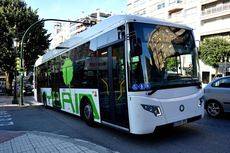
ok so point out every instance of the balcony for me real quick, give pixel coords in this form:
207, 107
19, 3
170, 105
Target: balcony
203, 2
216, 11
175, 7
215, 27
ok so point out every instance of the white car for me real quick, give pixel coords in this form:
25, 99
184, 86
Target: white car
217, 94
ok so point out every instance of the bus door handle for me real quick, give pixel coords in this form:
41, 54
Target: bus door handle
121, 84
107, 87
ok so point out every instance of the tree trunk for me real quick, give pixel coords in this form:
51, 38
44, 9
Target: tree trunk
216, 72
9, 80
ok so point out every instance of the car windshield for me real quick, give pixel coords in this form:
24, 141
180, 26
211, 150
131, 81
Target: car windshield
161, 56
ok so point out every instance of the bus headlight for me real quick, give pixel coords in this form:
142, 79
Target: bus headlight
153, 109
201, 101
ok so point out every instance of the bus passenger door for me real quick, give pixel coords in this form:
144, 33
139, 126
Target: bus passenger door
112, 85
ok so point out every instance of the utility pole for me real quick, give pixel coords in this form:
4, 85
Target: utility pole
15, 45
225, 65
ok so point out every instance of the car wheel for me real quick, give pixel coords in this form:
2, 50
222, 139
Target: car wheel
87, 112
214, 109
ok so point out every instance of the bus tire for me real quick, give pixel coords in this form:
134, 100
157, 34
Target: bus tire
44, 100
87, 112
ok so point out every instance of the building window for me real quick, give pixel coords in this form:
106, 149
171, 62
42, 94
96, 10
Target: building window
160, 6
174, 1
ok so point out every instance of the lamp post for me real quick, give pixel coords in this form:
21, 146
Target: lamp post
225, 65
22, 43
15, 100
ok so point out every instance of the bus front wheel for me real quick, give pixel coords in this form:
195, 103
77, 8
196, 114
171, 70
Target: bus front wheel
87, 112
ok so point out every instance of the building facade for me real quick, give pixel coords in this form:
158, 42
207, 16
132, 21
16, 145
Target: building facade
63, 31
208, 18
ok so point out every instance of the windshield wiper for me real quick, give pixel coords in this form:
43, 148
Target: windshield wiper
152, 91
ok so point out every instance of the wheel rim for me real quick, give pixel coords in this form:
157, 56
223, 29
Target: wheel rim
213, 109
87, 111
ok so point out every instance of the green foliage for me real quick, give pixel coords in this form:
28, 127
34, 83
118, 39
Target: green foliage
15, 18
172, 63
212, 50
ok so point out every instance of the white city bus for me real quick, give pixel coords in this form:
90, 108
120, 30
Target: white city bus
128, 72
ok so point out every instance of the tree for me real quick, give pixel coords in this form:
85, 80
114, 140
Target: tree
15, 18
212, 50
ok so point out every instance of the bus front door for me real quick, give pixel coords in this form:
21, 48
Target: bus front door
112, 85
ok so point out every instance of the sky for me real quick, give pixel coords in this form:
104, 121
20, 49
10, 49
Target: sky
73, 9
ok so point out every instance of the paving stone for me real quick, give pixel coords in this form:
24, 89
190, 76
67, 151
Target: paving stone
40, 143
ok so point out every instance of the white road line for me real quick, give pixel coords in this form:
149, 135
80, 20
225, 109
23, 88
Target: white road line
3, 112
5, 116
7, 124
5, 119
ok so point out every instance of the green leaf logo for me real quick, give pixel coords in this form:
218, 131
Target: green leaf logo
67, 71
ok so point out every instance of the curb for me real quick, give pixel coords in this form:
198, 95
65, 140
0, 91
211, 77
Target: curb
25, 105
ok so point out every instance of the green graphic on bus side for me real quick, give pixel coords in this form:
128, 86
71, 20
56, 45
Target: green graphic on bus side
67, 71
66, 98
49, 97
89, 96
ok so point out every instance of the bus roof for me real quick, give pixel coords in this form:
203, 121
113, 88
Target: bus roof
101, 28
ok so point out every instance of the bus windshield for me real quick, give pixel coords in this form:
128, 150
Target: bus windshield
161, 56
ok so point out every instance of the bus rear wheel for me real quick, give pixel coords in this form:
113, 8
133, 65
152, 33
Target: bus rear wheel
87, 112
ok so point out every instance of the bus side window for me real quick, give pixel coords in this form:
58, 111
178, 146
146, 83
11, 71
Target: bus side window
84, 67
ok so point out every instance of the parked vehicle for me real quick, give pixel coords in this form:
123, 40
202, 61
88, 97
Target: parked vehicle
217, 94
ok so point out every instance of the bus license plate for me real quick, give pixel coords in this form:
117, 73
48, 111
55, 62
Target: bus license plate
178, 123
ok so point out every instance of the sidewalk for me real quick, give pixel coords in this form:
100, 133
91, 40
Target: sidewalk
6, 101
42, 142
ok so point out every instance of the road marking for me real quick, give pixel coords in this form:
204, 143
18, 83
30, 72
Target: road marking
3, 112
5, 119
7, 124
5, 116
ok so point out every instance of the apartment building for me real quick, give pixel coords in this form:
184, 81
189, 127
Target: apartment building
208, 18
215, 21
63, 31
215, 18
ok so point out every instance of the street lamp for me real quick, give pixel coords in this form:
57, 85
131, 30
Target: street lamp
22, 44
15, 45
224, 61
225, 65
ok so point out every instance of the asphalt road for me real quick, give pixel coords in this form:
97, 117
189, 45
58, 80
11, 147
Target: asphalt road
205, 136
